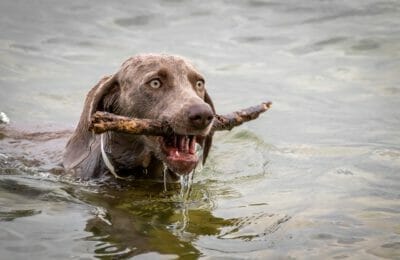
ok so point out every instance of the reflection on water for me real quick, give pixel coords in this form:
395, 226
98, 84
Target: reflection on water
316, 177
145, 219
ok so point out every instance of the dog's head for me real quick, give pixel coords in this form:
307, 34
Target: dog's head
160, 87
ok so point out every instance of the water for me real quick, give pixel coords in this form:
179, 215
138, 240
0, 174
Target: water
316, 177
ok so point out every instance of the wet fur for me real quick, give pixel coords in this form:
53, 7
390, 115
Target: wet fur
126, 93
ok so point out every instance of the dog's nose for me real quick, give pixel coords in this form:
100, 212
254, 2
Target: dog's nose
200, 115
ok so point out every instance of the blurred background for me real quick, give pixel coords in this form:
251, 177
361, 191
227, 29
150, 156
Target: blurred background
318, 176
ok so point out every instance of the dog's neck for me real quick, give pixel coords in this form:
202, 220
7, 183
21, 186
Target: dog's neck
153, 169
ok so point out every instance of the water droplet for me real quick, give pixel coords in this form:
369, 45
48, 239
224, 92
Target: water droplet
165, 172
186, 184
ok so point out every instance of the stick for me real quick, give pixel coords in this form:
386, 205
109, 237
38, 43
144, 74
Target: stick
104, 121
227, 122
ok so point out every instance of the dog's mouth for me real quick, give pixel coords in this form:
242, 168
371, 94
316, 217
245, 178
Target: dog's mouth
180, 152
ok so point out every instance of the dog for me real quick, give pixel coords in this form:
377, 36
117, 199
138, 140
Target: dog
151, 86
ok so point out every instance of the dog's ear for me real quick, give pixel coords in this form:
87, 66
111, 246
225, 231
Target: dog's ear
78, 147
209, 137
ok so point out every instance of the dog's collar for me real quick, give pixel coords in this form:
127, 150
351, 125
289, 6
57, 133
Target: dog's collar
106, 160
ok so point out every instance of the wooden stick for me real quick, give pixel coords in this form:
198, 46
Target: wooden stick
104, 121
227, 122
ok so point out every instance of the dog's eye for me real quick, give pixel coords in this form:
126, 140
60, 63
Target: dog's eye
200, 85
155, 83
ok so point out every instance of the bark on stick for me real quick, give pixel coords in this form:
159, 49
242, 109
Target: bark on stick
104, 121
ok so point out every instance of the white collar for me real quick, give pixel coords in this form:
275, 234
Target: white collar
106, 160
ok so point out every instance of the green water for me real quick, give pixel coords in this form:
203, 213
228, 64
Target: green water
316, 177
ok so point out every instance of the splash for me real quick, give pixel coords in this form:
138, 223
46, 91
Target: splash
4, 118
165, 172
186, 185
187, 180
182, 225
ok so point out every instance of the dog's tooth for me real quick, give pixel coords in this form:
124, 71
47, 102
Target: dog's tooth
181, 143
192, 145
189, 140
185, 145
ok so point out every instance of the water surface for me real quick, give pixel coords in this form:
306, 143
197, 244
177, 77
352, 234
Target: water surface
317, 177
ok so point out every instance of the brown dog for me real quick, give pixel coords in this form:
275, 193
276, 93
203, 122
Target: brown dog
146, 86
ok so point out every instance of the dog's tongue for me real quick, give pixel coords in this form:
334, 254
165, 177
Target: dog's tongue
182, 156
